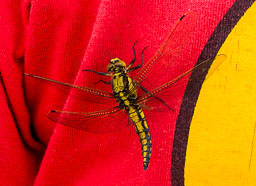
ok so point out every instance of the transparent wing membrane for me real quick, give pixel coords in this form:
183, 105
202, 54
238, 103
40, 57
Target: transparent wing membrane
78, 92
170, 49
104, 121
164, 91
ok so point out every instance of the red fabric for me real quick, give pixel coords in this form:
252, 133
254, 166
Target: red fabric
57, 39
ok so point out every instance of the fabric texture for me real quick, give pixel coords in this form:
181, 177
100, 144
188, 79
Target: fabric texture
58, 39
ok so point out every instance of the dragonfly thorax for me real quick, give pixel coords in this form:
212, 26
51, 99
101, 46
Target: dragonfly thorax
116, 66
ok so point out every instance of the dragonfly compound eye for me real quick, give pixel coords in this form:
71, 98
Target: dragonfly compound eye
120, 64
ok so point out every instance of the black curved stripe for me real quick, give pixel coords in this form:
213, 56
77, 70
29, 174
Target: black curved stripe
194, 86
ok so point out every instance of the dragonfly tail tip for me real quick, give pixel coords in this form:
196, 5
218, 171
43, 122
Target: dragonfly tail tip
145, 166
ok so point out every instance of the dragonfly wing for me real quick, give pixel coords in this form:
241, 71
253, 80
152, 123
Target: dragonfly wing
170, 49
150, 100
78, 92
103, 121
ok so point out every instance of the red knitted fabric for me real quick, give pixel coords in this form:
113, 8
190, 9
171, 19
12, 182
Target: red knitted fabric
57, 39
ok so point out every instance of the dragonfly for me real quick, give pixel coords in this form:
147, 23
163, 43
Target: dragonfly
131, 96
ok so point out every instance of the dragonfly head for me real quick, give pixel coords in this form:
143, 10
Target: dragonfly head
116, 65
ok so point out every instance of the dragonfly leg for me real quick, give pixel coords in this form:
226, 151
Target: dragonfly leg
141, 63
134, 59
154, 96
99, 73
105, 82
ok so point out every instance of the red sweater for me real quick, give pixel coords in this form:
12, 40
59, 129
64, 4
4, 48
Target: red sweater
57, 39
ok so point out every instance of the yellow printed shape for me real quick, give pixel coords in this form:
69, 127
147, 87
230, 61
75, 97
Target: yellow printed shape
222, 143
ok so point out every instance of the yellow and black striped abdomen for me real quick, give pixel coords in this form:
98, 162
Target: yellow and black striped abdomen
141, 126
125, 94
